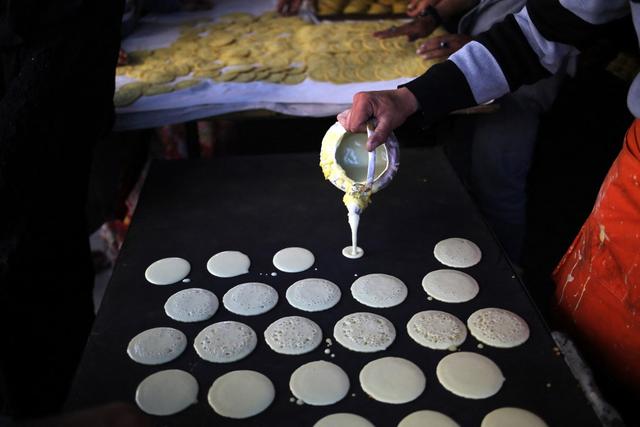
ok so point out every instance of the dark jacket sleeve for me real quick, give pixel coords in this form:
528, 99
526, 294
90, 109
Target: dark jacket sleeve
526, 47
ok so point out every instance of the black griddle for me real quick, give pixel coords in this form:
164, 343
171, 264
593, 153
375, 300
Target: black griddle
259, 205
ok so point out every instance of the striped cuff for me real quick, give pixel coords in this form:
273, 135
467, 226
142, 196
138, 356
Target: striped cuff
482, 71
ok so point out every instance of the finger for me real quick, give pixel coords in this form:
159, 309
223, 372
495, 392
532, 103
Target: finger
384, 33
404, 29
431, 44
343, 118
361, 111
448, 42
434, 54
396, 31
438, 53
380, 134
431, 53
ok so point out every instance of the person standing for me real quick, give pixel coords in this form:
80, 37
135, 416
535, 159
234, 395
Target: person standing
597, 281
494, 168
57, 76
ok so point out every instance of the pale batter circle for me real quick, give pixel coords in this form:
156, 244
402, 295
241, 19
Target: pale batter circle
349, 253
313, 294
437, 330
250, 299
225, 342
241, 394
379, 290
427, 418
392, 380
167, 392
293, 335
156, 346
343, 419
191, 305
167, 271
228, 264
293, 260
319, 383
457, 252
469, 375
450, 286
498, 327
364, 332
509, 417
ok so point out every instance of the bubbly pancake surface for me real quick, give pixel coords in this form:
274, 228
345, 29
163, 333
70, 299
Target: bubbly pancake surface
192, 305
313, 294
157, 345
364, 332
457, 252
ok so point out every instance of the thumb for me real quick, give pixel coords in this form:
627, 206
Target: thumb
380, 134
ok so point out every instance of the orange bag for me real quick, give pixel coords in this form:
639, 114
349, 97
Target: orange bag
598, 279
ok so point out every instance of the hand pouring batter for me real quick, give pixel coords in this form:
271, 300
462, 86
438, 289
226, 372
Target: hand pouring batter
344, 162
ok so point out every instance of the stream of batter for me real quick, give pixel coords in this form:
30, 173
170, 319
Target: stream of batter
356, 200
346, 166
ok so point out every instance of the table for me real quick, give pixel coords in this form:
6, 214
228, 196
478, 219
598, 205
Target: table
258, 205
310, 98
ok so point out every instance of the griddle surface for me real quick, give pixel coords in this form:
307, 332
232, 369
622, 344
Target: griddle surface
258, 205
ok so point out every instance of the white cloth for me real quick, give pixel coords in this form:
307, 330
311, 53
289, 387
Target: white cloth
309, 98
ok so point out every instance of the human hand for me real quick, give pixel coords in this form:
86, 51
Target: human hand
390, 108
441, 47
414, 7
110, 415
288, 7
419, 27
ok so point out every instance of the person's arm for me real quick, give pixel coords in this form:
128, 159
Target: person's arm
523, 49
425, 23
